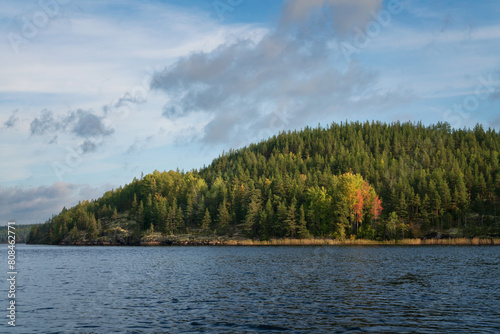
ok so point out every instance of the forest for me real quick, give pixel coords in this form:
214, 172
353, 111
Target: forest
21, 233
350, 180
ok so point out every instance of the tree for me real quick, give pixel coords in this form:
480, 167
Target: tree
148, 212
99, 227
355, 200
206, 222
80, 217
74, 234
291, 221
252, 218
223, 218
179, 221
267, 220
115, 214
376, 209
140, 215
189, 208
402, 207
134, 207
392, 224
162, 215
302, 231
321, 210
92, 228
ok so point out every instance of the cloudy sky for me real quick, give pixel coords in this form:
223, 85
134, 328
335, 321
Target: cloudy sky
92, 93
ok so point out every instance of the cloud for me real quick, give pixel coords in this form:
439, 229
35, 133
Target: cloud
36, 205
46, 123
129, 98
88, 124
11, 122
341, 15
88, 146
81, 123
288, 78
139, 145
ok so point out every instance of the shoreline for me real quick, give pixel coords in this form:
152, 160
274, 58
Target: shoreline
176, 241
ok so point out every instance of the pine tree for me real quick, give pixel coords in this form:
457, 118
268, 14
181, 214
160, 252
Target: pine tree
134, 207
148, 212
74, 234
161, 218
189, 213
206, 222
115, 214
223, 218
252, 218
291, 221
140, 215
393, 224
402, 207
267, 221
180, 226
92, 228
99, 227
302, 231
282, 215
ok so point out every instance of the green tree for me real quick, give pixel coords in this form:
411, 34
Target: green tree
223, 218
252, 218
392, 224
302, 231
206, 222
92, 228
291, 221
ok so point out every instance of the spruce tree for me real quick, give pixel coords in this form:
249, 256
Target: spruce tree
302, 231
206, 222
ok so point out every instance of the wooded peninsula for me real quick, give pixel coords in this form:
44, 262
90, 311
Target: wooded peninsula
338, 184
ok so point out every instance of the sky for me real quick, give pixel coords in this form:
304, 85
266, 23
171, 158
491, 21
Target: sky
93, 93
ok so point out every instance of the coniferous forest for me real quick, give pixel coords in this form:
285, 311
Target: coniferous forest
350, 180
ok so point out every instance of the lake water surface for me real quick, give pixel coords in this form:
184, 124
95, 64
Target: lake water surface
431, 289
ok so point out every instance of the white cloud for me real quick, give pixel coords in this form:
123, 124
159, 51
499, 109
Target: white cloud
287, 79
88, 59
250, 81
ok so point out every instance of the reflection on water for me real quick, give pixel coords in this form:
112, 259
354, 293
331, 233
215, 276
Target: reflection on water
257, 289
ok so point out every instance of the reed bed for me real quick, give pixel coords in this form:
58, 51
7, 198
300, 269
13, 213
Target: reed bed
360, 242
453, 241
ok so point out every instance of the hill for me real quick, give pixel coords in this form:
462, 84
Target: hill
350, 180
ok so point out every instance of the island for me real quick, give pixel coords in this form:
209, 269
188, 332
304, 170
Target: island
347, 183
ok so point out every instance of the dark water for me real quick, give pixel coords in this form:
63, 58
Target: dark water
255, 289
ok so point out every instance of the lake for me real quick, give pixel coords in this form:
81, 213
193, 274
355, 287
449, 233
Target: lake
379, 289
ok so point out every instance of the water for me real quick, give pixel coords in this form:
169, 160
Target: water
255, 289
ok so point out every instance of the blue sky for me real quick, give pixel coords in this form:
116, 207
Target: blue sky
94, 92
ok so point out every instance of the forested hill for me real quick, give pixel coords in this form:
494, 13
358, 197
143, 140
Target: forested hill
364, 180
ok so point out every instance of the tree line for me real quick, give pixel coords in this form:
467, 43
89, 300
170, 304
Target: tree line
21, 233
365, 180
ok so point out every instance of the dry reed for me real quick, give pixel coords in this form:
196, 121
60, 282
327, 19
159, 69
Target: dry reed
360, 242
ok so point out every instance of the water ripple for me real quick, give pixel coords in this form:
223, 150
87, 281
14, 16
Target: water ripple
254, 290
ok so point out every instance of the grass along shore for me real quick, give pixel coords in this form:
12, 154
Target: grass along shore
362, 242
120, 237
228, 241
